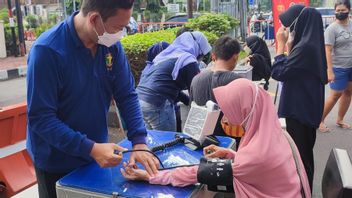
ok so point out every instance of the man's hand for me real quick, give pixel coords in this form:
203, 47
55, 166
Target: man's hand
104, 155
150, 163
213, 151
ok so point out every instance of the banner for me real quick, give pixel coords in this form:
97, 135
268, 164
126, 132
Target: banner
280, 6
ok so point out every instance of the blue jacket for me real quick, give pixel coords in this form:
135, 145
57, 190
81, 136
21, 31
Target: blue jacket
156, 85
69, 94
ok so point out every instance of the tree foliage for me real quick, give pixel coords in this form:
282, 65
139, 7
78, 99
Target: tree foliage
218, 24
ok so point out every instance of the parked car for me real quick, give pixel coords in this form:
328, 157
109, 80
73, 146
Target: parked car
181, 17
327, 14
175, 21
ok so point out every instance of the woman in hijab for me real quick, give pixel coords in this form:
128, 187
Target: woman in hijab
152, 52
303, 73
267, 163
170, 72
259, 58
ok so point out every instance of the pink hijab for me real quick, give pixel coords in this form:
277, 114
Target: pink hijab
263, 165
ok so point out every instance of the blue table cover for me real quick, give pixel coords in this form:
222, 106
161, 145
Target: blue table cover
109, 180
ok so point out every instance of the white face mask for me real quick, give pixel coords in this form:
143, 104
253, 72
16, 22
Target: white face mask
291, 35
108, 39
252, 109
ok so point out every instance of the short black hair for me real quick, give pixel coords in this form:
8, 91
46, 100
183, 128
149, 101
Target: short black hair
106, 8
346, 3
225, 47
183, 30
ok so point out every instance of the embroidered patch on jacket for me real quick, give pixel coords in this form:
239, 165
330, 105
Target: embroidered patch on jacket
108, 61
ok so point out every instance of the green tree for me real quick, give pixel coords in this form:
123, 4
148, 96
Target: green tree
32, 21
219, 24
53, 18
4, 15
69, 6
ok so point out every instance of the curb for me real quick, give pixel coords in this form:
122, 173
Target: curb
13, 73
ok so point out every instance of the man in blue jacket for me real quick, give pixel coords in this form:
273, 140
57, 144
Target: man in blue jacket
74, 69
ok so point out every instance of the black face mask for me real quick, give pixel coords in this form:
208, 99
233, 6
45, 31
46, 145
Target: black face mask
341, 15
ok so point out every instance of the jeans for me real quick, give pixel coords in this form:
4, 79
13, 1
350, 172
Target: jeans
161, 117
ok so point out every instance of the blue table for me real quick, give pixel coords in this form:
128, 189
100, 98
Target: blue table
109, 181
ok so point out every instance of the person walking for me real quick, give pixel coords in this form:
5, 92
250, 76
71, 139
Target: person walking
338, 42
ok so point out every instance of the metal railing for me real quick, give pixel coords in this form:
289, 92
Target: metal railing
262, 28
265, 28
155, 26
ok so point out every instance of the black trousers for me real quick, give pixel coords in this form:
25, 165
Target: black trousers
46, 182
304, 137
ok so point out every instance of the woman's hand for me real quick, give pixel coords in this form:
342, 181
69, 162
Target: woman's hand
213, 151
282, 35
281, 38
134, 173
331, 75
248, 59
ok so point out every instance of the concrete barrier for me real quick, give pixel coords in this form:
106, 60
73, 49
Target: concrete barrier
16, 167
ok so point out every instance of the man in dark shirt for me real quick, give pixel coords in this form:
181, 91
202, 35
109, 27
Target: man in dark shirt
225, 55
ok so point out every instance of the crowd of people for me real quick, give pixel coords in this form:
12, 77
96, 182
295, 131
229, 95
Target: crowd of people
76, 67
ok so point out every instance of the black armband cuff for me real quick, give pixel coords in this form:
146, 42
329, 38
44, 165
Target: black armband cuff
216, 173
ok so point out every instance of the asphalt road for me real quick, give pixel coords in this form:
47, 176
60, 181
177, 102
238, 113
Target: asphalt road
14, 91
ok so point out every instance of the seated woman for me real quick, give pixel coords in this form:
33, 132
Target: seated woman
259, 58
267, 163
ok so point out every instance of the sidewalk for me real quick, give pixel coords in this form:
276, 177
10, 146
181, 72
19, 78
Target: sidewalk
14, 67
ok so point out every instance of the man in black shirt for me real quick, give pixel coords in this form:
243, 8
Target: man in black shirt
225, 55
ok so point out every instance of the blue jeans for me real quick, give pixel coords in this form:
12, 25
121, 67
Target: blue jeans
161, 117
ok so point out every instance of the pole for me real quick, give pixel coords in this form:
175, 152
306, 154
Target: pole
12, 26
22, 44
74, 5
190, 9
64, 8
243, 18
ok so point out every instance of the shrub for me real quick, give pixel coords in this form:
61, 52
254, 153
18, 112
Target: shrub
136, 46
42, 28
4, 15
8, 39
218, 24
32, 21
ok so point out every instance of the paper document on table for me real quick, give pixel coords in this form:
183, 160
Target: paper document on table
201, 121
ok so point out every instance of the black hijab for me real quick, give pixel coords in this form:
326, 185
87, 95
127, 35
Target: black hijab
260, 60
308, 49
290, 15
258, 46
